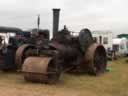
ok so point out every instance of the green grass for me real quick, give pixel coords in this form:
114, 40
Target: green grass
114, 83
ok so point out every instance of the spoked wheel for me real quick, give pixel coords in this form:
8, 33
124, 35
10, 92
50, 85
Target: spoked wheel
96, 59
100, 60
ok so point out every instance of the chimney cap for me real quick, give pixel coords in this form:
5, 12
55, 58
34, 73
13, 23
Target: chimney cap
56, 9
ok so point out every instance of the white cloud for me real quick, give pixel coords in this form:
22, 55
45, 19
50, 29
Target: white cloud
94, 14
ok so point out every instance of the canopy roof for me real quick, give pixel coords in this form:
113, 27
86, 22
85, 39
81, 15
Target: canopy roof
9, 29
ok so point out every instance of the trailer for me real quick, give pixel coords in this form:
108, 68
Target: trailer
120, 46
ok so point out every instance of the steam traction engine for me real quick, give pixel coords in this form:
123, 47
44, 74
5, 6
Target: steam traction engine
64, 53
46, 59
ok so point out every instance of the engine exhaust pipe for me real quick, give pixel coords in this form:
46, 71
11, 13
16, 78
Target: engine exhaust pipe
55, 21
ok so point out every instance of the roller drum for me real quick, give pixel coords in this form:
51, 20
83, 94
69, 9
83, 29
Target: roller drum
40, 69
20, 54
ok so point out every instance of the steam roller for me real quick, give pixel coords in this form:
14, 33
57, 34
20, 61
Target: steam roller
41, 69
64, 53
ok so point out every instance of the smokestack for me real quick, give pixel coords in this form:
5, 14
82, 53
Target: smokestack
55, 21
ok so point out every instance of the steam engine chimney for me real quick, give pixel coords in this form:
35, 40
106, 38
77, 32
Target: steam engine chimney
55, 21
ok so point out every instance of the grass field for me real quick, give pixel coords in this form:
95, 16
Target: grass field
114, 83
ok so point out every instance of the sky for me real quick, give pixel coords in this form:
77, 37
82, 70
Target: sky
110, 15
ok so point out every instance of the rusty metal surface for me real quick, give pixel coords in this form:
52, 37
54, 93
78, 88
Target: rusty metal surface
19, 54
71, 56
90, 52
67, 53
93, 60
37, 69
36, 64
